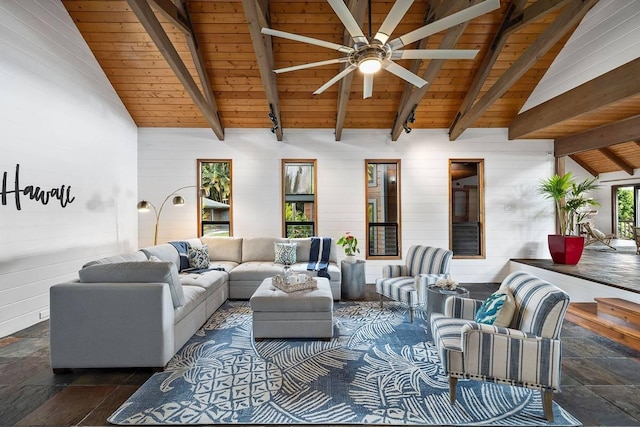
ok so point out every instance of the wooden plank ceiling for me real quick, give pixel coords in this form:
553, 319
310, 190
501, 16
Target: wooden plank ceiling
151, 51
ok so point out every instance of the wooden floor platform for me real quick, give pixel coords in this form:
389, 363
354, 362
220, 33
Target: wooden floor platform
614, 318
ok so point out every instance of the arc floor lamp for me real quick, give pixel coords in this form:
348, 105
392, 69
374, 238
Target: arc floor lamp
178, 200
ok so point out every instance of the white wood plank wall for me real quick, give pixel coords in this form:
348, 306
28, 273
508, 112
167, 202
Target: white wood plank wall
608, 37
63, 123
517, 219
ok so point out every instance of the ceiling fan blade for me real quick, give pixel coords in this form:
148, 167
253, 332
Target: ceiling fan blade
392, 20
337, 77
367, 91
435, 54
445, 23
403, 73
310, 65
305, 39
349, 22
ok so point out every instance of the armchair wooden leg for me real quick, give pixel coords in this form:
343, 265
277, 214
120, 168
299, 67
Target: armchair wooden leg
381, 297
453, 382
411, 314
547, 405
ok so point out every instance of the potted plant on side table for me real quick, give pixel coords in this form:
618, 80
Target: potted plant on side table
570, 199
352, 271
350, 245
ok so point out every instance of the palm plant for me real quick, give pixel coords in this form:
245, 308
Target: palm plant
569, 198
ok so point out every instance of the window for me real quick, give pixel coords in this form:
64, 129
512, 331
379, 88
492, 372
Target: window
466, 208
383, 208
215, 217
299, 198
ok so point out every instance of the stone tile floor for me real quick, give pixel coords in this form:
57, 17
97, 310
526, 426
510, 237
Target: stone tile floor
601, 380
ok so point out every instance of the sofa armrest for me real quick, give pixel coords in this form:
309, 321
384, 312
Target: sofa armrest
101, 325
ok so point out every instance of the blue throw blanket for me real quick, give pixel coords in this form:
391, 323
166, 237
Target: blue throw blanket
319, 256
183, 251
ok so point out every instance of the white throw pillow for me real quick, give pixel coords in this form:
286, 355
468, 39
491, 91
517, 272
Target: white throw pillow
599, 234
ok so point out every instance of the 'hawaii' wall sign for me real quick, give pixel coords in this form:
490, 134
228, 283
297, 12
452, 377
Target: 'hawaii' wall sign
62, 194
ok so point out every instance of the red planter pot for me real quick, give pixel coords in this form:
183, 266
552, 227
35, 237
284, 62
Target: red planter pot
565, 249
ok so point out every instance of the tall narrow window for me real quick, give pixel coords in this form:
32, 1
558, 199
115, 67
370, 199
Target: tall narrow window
215, 217
466, 208
299, 198
383, 208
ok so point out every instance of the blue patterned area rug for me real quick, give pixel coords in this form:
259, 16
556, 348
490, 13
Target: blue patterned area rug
378, 369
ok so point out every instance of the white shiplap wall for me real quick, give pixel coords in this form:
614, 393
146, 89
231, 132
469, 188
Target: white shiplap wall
517, 219
63, 123
607, 37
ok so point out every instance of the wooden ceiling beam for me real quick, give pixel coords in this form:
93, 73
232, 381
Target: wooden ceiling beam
615, 85
179, 16
433, 69
617, 160
615, 133
489, 59
532, 13
571, 15
583, 165
256, 14
357, 9
432, 14
153, 27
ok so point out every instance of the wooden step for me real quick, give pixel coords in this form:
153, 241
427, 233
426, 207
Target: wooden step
586, 315
622, 309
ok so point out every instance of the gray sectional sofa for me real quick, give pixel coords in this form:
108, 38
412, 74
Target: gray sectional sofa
137, 310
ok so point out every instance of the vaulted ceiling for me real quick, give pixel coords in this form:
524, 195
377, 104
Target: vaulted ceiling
206, 64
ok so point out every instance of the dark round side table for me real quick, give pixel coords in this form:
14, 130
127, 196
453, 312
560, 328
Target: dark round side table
437, 296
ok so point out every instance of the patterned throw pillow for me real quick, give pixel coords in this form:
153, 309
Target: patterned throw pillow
199, 257
497, 310
285, 253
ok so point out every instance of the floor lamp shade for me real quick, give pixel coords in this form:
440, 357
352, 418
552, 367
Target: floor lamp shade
178, 200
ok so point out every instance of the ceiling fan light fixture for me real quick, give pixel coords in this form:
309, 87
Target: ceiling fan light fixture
370, 65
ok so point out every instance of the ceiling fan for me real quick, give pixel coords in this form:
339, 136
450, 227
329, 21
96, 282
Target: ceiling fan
371, 54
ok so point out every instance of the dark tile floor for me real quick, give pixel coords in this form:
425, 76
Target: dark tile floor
601, 380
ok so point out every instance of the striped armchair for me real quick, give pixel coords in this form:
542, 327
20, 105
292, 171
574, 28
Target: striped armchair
526, 354
408, 283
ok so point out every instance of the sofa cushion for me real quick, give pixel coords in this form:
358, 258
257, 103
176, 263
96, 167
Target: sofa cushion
125, 257
166, 252
199, 257
333, 270
259, 248
224, 248
255, 271
137, 272
303, 249
285, 253
193, 295
209, 280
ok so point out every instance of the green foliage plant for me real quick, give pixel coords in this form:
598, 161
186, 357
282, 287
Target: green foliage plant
349, 243
569, 198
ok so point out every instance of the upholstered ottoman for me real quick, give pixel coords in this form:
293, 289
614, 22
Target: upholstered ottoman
300, 314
